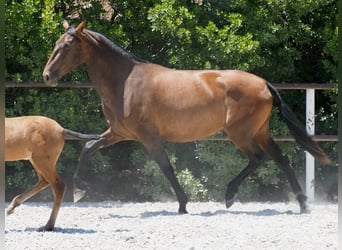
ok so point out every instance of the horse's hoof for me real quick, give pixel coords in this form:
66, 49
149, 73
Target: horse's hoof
78, 194
302, 203
10, 211
304, 210
45, 229
182, 209
230, 202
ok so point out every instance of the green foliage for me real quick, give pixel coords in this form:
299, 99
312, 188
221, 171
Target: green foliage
292, 36
211, 45
193, 187
153, 186
20, 174
223, 162
76, 109
156, 187
32, 27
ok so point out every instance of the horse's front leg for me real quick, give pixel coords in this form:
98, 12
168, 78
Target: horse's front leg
107, 139
159, 155
19, 199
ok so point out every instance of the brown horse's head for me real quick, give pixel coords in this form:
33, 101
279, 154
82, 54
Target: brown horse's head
66, 55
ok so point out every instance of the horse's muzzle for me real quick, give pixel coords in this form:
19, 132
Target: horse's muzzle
49, 79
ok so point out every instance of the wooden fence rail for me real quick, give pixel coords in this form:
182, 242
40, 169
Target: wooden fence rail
85, 84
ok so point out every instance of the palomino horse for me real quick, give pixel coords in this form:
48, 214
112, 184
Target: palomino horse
150, 103
40, 140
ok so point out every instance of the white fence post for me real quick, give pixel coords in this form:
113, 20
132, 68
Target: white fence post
310, 160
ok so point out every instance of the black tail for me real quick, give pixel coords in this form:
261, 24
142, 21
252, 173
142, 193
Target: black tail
296, 128
72, 135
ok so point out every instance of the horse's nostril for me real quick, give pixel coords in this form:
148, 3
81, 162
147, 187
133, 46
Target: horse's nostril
46, 77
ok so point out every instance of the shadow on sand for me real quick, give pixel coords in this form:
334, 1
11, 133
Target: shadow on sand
56, 230
265, 212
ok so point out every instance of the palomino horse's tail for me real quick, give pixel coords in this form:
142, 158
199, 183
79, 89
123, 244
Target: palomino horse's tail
296, 128
72, 135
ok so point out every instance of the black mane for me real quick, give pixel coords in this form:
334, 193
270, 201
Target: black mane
112, 45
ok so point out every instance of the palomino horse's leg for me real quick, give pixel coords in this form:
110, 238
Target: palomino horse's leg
255, 159
159, 155
46, 167
273, 150
107, 139
19, 199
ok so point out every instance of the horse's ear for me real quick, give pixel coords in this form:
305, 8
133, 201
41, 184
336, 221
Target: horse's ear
80, 27
65, 25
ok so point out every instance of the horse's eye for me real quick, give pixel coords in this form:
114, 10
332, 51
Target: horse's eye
66, 45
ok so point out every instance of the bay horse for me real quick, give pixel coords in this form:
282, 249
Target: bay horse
149, 103
40, 140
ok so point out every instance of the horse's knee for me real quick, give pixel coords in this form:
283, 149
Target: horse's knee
59, 188
87, 146
91, 146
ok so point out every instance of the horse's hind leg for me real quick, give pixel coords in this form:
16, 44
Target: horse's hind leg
19, 199
255, 156
47, 170
273, 150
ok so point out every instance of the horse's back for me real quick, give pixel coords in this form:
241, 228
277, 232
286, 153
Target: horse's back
195, 86
26, 135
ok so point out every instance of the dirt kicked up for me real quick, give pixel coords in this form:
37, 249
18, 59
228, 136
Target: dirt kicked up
117, 225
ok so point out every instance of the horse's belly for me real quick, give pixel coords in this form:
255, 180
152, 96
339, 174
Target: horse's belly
15, 151
191, 128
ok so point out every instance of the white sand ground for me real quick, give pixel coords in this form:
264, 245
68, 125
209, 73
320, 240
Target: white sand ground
118, 225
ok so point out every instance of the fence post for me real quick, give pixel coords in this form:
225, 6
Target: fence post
310, 160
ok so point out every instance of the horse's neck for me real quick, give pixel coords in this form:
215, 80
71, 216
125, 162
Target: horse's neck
108, 67
108, 74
